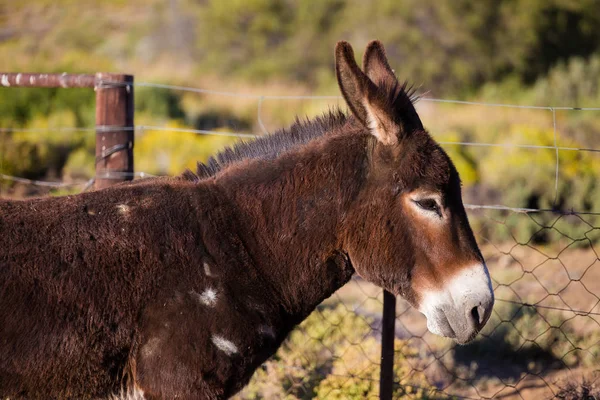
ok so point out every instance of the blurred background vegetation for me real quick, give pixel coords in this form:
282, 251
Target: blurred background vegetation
527, 52
534, 52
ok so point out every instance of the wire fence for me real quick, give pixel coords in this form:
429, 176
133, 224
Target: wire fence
545, 329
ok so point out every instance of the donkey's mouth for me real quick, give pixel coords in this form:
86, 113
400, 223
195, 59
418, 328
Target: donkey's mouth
441, 326
448, 328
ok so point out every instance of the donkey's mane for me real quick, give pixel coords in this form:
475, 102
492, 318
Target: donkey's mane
270, 146
399, 97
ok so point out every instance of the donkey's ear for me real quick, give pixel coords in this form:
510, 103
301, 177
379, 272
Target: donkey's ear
353, 83
363, 97
376, 66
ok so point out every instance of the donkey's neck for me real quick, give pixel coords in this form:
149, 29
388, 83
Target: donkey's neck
292, 209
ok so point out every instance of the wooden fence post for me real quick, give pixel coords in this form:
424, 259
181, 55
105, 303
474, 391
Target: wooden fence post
115, 129
388, 334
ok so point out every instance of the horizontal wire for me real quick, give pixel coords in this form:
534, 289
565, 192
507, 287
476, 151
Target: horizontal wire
527, 210
109, 128
59, 184
196, 131
40, 183
325, 97
520, 146
234, 94
504, 208
580, 312
49, 129
480, 103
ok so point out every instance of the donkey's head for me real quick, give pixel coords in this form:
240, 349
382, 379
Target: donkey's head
408, 231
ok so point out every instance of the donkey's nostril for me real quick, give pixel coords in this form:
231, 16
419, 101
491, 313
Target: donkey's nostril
476, 316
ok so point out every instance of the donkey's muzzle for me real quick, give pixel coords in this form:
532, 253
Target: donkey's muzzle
462, 307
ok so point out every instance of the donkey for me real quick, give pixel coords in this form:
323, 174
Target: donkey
181, 287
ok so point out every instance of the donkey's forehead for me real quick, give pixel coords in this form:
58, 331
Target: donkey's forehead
426, 165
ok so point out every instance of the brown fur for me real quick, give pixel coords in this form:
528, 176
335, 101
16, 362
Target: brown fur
103, 290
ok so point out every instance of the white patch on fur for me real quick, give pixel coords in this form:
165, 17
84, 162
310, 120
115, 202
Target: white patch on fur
123, 209
135, 394
224, 345
470, 287
150, 347
207, 270
266, 330
209, 297
372, 122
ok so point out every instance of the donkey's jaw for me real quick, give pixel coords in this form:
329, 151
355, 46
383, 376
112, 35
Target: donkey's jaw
462, 307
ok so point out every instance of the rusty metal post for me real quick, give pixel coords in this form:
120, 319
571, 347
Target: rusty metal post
388, 333
114, 129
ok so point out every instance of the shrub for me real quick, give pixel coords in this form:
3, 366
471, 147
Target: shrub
333, 354
585, 390
170, 153
574, 84
526, 178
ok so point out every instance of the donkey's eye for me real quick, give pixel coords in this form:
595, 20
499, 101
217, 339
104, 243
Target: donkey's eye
429, 205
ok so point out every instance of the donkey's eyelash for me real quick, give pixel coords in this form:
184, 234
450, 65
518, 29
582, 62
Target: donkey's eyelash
429, 205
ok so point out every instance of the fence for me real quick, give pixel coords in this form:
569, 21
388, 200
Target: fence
114, 118
544, 266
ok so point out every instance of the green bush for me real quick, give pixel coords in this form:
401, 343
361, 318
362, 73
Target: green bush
161, 104
39, 149
526, 177
35, 149
575, 83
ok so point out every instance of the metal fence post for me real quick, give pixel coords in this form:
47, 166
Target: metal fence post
115, 131
388, 333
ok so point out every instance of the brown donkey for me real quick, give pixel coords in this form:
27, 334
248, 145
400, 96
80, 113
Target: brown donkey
182, 287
